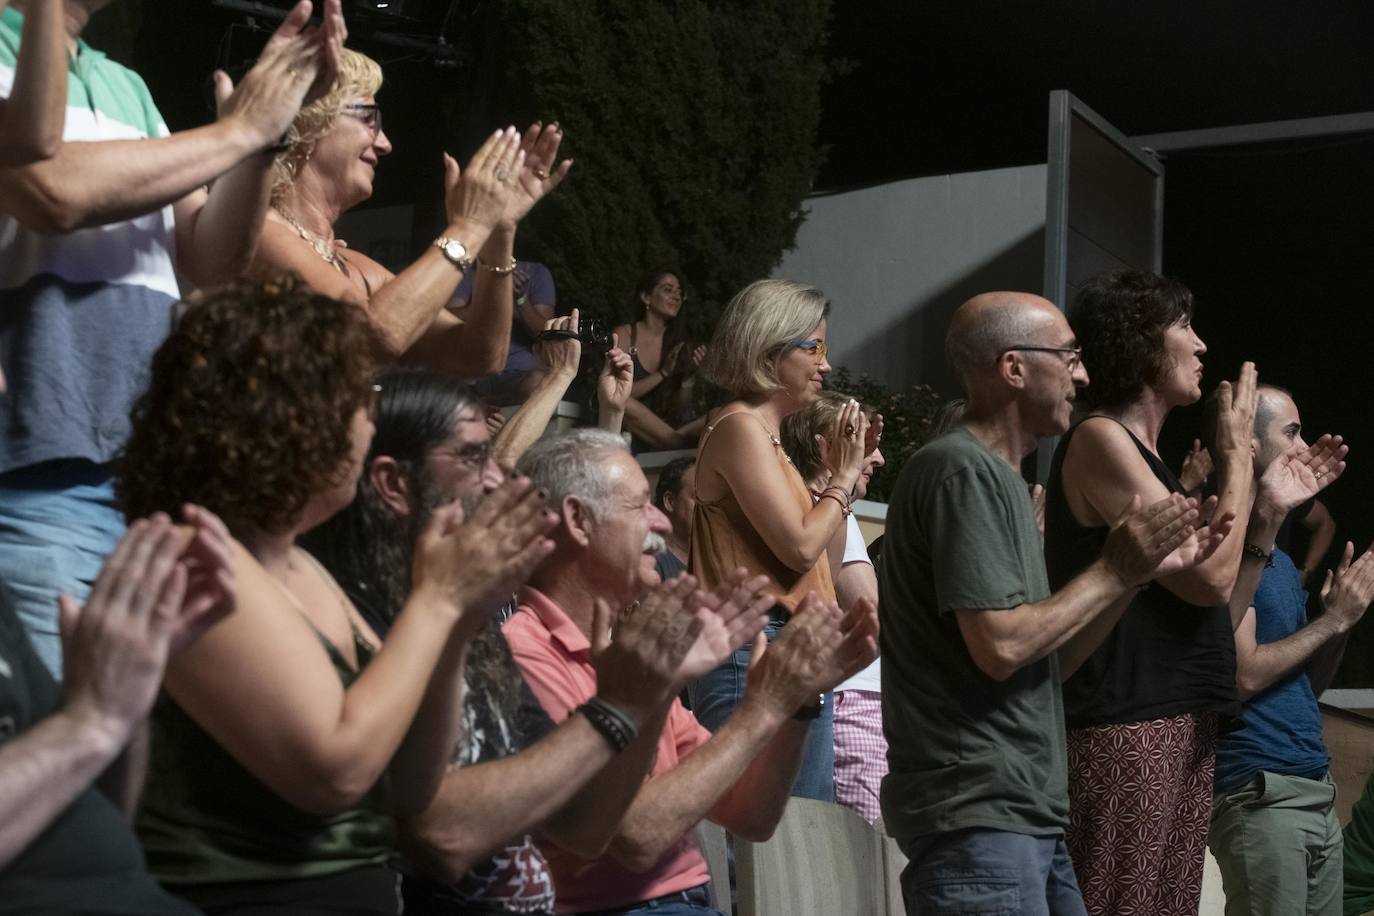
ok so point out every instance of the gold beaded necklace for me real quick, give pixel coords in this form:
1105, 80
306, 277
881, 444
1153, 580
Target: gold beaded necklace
322, 246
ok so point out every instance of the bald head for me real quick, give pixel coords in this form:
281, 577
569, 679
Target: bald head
987, 325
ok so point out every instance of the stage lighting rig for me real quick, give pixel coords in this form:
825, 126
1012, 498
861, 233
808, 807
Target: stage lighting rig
418, 28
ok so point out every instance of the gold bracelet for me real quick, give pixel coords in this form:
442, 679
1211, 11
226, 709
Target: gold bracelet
502, 271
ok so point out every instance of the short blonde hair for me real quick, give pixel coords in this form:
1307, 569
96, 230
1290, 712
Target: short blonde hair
359, 75
759, 323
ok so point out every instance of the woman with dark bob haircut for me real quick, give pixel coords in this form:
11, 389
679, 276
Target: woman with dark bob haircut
1143, 706
288, 734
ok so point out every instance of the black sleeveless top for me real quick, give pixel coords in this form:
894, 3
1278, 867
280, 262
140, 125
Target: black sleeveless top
1165, 657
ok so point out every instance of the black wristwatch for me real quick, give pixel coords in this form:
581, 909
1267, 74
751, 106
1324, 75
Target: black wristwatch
810, 711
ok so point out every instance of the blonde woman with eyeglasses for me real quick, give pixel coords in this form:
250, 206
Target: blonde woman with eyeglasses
326, 166
753, 508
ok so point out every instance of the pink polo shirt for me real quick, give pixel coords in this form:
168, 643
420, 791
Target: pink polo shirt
555, 658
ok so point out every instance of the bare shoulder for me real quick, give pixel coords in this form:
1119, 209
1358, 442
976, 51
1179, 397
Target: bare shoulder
1100, 441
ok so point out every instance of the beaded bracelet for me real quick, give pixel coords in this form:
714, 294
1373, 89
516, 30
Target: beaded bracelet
502, 271
617, 728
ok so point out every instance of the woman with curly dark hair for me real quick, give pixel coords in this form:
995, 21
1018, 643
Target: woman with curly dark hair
289, 734
1143, 707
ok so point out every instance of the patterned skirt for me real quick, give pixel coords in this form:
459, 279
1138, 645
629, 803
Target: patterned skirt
1140, 801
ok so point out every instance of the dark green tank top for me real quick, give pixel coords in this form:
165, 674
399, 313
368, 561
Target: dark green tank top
205, 819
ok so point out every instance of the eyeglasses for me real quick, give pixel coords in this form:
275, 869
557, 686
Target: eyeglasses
1075, 354
474, 455
816, 348
370, 115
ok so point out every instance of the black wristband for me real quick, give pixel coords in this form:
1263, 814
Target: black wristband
811, 711
617, 728
1253, 551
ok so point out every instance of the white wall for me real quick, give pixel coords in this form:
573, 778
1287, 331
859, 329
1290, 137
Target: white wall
897, 259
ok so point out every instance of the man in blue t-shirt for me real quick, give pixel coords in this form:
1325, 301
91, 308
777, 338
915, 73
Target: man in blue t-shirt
1274, 831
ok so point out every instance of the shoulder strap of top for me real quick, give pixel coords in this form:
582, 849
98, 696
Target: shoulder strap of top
710, 428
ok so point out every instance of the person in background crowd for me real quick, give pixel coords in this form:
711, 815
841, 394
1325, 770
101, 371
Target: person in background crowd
34, 108
753, 509
561, 357
335, 147
535, 304
660, 416
977, 794
740, 776
513, 772
860, 748
89, 282
288, 735
1145, 689
675, 497
1274, 831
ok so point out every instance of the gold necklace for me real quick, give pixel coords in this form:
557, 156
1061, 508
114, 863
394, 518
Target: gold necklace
322, 246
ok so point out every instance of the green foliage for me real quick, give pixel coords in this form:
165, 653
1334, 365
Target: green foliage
907, 418
693, 126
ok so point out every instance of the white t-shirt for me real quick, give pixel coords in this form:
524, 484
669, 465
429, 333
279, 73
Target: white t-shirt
856, 551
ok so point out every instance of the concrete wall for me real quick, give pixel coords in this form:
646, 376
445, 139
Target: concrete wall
897, 259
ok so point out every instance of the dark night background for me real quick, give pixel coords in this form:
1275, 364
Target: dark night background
1275, 240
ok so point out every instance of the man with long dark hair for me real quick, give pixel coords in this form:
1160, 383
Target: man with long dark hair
514, 771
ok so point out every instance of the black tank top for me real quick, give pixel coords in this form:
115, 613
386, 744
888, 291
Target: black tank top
1165, 657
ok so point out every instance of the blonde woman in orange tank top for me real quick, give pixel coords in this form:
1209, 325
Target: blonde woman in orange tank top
753, 508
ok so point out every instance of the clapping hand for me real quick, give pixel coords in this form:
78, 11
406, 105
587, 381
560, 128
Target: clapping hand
1301, 473
1150, 542
538, 175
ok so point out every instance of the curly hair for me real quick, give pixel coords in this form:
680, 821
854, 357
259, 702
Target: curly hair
1120, 318
359, 75
249, 406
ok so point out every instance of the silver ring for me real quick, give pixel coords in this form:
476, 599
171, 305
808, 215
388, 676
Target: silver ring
502, 173
1319, 474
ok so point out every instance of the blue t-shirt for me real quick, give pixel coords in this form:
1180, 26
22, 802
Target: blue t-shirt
1282, 731
533, 286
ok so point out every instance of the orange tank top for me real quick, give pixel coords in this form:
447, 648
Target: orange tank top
723, 539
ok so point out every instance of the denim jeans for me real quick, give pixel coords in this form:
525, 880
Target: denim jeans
58, 522
683, 903
990, 872
717, 694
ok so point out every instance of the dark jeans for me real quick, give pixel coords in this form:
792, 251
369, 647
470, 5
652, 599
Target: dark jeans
990, 872
372, 890
717, 694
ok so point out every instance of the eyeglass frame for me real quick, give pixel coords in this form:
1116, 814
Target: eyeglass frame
371, 116
817, 348
1075, 354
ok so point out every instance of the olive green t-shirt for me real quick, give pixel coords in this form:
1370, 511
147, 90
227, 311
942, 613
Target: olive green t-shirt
964, 749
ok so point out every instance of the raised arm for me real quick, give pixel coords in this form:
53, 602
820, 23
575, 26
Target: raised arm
1144, 544
1348, 593
263, 687
1103, 470
97, 183
32, 118
613, 387
740, 452
639, 673
114, 651
560, 358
